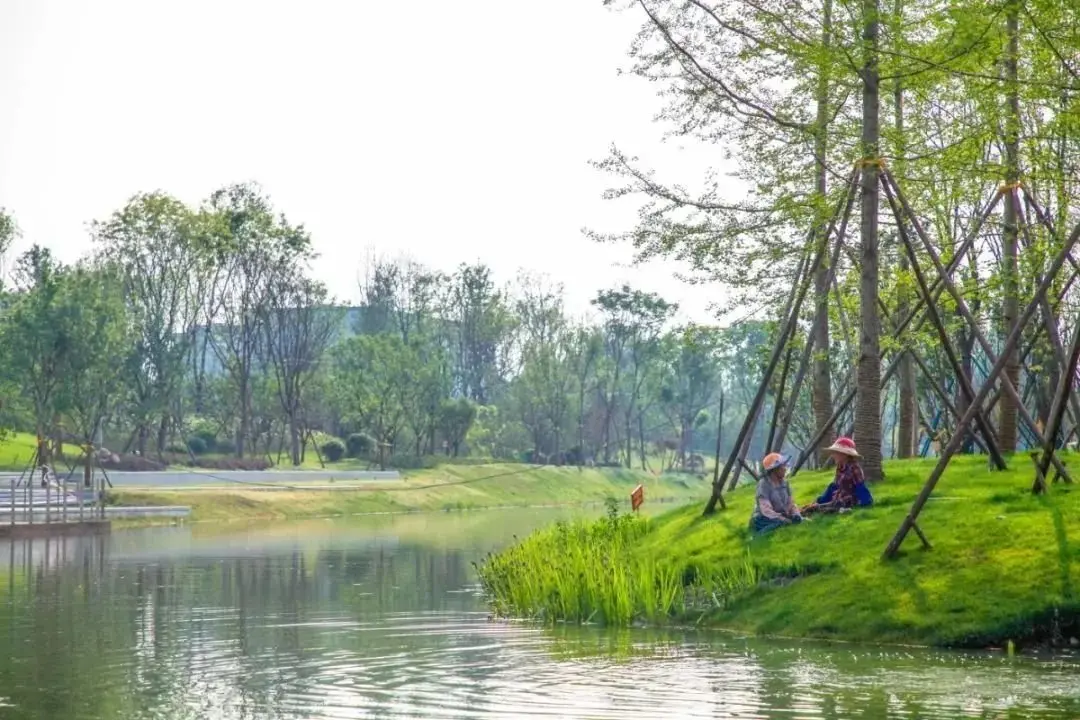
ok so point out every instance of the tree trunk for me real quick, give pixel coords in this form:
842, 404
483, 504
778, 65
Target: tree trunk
294, 442
581, 424
822, 389
1007, 432
907, 410
967, 348
245, 418
868, 404
162, 434
143, 436
641, 440
907, 397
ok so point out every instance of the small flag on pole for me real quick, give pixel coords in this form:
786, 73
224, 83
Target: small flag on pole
637, 498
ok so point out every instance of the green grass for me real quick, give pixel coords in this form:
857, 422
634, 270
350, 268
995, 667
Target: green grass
17, 449
449, 487
1001, 566
590, 572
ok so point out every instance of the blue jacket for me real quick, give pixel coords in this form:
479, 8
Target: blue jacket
862, 495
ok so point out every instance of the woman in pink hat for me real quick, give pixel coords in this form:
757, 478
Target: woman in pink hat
848, 489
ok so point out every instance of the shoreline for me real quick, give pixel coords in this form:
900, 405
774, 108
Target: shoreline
443, 489
1001, 568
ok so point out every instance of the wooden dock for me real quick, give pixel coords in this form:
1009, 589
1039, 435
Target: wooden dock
32, 511
54, 529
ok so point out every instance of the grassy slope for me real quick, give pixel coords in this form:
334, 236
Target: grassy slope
1002, 558
17, 449
447, 487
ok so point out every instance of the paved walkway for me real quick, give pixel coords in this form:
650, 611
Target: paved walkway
192, 478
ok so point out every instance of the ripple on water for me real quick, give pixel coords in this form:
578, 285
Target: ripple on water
397, 631
469, 667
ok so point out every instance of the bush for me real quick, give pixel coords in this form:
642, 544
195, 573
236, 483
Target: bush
205, 431
197, 445
332, 450
131, 463
225, 447
359, 444
231, 463
219, 463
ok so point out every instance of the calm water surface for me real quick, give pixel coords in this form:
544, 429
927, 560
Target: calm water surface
379, 618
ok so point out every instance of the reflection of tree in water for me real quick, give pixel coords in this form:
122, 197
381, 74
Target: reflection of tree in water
89, 638
96, 629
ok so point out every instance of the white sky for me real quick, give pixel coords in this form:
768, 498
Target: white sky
447, 131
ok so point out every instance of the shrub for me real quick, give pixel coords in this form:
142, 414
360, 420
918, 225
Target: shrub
225, 447
197, 445
131, 463
206, 431
359, 444
332, 450
232, 463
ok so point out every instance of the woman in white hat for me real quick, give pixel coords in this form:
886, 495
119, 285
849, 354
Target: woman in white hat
773, 503
848, 488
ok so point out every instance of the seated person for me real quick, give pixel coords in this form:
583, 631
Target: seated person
847, 490
773, 504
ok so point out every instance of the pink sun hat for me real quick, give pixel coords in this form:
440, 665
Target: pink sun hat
844, 446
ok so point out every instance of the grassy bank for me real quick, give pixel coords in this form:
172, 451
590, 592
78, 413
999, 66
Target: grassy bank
1001, 567
451, 487
17, 450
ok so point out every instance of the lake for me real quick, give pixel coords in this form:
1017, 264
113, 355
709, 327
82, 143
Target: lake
379, 617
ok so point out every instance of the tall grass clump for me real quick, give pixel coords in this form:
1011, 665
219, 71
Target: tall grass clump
591, 571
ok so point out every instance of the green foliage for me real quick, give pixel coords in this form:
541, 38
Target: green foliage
197, 445
332, 450
358, 445
456, 418
494, 435
1002, 566
592, 572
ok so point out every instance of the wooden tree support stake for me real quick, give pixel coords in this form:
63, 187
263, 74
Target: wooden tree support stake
1057, 414
954, 443
890, 186
747, 468
916, 311
808, 351
1040, 475
846, 203
943, 335
919, 532
946, 401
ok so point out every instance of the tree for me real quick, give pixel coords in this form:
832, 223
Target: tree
165, 274
480, 325
868, 375
258, 248
773, 82
633, 321
35, 337
300, 325
584, 351
371, 377
92, 311
544, 382
692, 380
9, 232
456, 418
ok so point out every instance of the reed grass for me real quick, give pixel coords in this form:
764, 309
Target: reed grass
1003, 565
593, 572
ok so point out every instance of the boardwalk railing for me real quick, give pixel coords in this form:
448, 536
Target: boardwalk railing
57, 502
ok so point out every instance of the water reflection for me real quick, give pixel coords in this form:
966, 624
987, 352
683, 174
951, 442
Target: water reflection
380, 619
